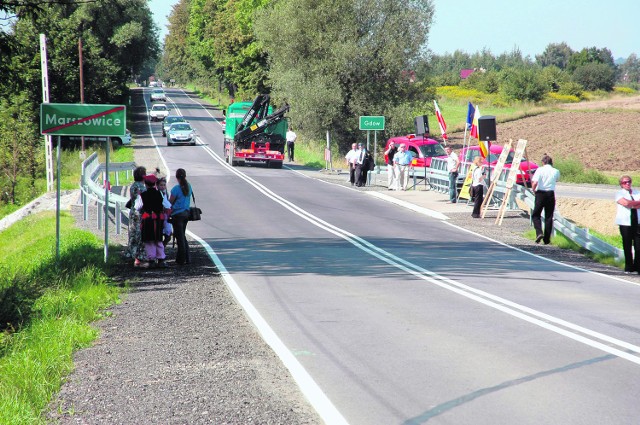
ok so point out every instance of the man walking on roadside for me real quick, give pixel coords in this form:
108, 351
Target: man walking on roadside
543, 184
352, 158
291, 143
453, 164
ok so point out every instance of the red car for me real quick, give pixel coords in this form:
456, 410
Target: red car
527, 168
421, 148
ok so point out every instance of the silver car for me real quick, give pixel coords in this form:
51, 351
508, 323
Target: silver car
181, 132
170, 120
158, 95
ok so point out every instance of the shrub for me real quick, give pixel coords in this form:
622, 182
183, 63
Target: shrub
522, 84
573, 171
563, 98
571, 88
624, 90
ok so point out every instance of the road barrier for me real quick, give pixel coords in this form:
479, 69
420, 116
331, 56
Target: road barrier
92, 187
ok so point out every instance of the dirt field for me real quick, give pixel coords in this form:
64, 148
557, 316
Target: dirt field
603, 135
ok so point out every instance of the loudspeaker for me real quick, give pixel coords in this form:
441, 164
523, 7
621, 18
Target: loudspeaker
422, 124
487, 128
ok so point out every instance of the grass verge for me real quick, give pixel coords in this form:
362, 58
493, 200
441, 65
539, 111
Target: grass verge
46, 309
561, 241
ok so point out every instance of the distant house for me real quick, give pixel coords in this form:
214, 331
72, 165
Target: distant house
464, 73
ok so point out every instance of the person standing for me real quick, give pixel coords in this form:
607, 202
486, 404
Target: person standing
543, 184
453, 165
360, 163
627, 204
401, 161
391, 172
136, 246
352, 157
291, 142
477, 186
181, 202
150, 205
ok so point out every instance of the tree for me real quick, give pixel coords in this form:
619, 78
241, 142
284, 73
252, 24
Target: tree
591, 55
19, 153
555, 54
630, 70
595, 76
333, 61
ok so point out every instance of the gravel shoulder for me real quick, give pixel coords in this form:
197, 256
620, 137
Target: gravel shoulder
179, 350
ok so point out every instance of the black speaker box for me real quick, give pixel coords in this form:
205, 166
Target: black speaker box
487, 128
422, 124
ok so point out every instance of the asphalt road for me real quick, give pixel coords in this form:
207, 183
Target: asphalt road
398, 318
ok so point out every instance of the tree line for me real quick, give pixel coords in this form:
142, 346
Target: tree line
334, 60
119, 44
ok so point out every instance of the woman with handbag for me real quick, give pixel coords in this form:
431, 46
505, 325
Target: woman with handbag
181, 202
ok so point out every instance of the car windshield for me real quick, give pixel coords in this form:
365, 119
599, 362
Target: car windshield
160, 91
170, 120
181, 127
435, 149
159, 108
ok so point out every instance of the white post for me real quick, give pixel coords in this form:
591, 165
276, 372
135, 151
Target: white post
45, 99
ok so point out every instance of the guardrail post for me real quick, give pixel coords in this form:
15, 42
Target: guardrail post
118, 218
100, 214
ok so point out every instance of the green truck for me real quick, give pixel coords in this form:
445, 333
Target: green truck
254, 134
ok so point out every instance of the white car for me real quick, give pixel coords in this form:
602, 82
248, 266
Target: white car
158, 95
158, 112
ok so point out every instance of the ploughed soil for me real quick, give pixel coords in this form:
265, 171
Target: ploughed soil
602, 135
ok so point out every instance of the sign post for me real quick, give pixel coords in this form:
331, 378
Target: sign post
374, 123
69, 119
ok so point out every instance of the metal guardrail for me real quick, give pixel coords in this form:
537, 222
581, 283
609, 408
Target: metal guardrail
92, 172
576, 234
438, 178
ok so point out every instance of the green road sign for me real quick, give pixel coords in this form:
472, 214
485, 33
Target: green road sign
371, 123
69, 119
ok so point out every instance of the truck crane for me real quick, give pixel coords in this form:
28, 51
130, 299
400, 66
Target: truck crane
257, 134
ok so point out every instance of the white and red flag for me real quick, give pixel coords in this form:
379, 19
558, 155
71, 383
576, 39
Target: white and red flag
441, 123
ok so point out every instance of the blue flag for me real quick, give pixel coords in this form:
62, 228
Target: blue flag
470, 112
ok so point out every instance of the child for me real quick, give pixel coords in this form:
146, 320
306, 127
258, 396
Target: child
150, 205
167, 230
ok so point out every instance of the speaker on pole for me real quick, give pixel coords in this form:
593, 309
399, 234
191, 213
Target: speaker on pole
422, 124
487, 128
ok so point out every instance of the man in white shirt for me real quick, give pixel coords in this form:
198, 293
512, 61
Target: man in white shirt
291, 141
352, 158
401, 162
453, 164
543, 184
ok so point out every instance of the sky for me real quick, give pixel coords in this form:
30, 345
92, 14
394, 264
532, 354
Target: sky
502, 25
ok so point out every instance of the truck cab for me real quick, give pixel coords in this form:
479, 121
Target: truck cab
254, 134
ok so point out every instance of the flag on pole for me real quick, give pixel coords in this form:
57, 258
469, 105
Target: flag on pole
441, 123
470, 111
474, 123
484, 147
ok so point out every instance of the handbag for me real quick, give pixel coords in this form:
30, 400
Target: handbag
194, 212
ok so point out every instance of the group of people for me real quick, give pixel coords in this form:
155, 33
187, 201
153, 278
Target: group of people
398, 163
155, 216
360, 163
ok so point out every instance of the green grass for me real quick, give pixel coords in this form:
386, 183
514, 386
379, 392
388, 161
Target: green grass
71, 165
46, 310
563, 242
